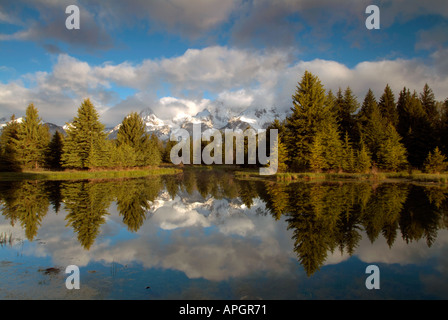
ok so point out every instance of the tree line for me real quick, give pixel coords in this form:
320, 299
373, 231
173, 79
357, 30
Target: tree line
324, 132
328, 132
28, 145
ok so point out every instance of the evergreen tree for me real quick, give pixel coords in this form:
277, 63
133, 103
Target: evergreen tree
415, 128
85, 141
327, 151
435, 162
429, 105
363, 159
372, 126
132, 132
317, 155
388, 107
391, 153
346, 105
54, 151
153, 155
32, 140
309, 113
348, 158
8, 152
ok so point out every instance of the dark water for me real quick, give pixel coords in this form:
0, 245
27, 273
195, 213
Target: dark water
206, 235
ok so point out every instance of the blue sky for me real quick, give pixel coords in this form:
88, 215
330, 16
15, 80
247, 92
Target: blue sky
132, 55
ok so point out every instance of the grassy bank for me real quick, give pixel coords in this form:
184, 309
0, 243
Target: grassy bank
81, 175
380, 176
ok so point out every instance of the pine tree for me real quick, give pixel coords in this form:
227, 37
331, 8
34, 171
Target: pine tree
348, 157
372, 126
309, 112
435, 162
133, 132
388, 107
153, 155
85, 139
363, 158
392, 153
32, 140
346, 105
415, 128
429, 105
8, 152
54, 151
317, 155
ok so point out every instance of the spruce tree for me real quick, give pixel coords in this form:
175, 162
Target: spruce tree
388, 106
308, 114
132, 135
8, 152
317, 159
363, 158
392, 154
429, 105
85, 139
348, 155
32, 140
415, 128
435, 162
346, 105
54, 151
373, 128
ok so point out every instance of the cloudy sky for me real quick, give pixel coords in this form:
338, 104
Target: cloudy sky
178, 56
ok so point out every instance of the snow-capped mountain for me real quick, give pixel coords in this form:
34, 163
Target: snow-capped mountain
220, 119
52, 128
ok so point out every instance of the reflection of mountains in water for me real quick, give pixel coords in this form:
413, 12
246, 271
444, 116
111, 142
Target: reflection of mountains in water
322, 217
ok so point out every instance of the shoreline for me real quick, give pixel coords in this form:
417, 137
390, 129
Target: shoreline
87, 175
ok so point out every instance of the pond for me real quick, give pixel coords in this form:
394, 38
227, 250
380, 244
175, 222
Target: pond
206, 235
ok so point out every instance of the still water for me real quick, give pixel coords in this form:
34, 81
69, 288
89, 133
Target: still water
207, 235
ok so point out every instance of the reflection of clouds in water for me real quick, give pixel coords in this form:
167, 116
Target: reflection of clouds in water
215, 239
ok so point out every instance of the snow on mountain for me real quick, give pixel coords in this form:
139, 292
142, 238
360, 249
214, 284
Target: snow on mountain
52, 128
219, 118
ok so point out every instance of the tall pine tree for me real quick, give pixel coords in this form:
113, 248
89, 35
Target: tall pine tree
388, 106
85, 144
8, 152
309, 113
32, 140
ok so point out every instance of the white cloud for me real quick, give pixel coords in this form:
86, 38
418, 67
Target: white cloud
238, 78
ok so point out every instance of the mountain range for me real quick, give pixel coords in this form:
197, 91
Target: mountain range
219, 119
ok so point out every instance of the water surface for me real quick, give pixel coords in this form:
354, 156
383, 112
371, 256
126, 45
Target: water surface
207, 235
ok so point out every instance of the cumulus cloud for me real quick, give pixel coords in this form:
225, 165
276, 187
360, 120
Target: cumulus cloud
236, 78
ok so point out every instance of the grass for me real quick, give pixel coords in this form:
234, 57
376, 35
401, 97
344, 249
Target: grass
417, 176
82, 175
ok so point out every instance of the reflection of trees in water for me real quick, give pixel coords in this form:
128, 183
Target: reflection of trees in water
27, 203
323, 217
86, 203
326, 216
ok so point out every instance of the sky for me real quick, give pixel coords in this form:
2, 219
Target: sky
181, 56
